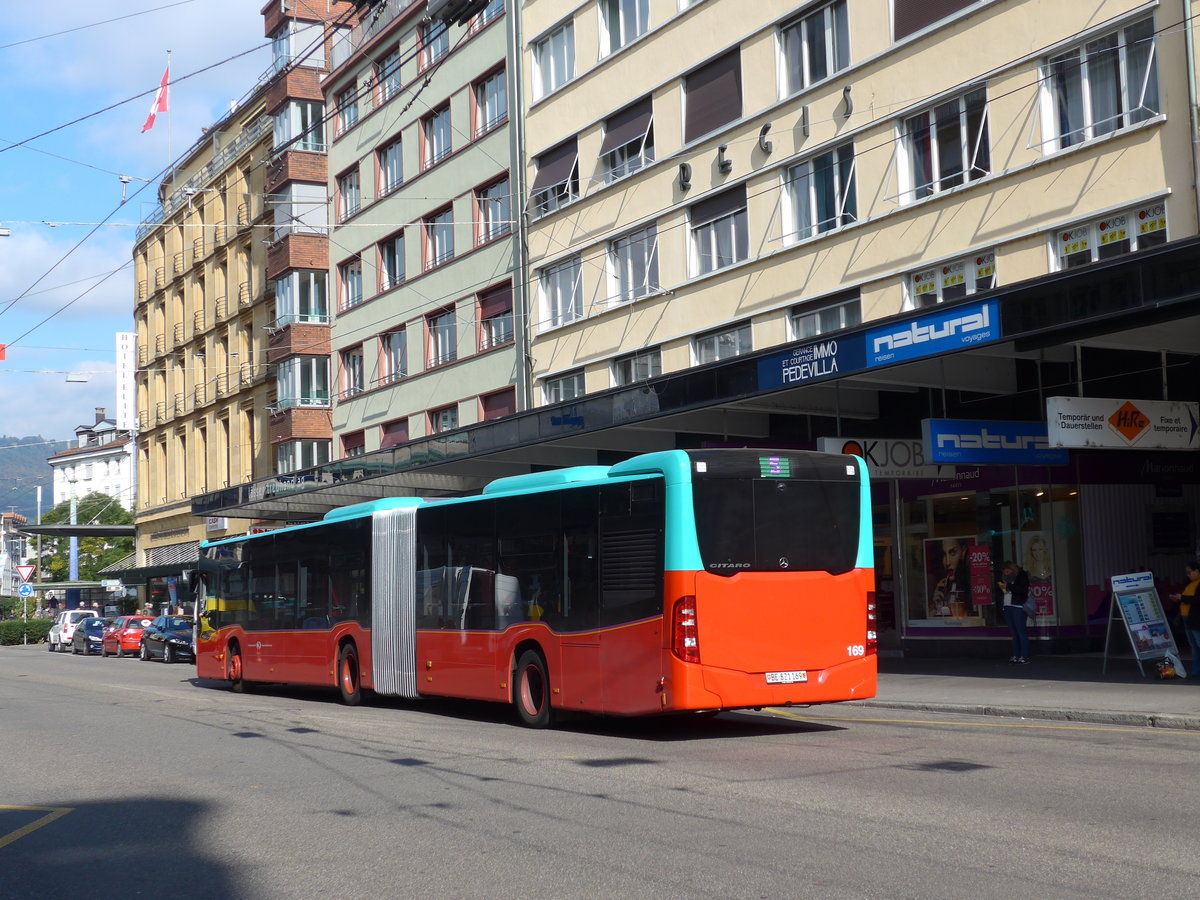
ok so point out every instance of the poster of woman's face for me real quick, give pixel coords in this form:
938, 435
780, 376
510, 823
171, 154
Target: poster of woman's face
947, 575
1037, 557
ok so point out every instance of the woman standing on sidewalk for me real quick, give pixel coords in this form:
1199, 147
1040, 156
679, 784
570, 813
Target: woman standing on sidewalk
1189, 611
1015, 584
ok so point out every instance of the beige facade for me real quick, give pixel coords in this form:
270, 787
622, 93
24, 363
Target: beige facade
200, 315
205, 310
815, 193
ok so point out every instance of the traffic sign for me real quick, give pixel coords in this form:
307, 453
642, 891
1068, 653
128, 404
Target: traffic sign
25, 589
26, 572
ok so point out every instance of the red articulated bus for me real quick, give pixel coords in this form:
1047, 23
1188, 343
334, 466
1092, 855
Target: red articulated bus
673, 581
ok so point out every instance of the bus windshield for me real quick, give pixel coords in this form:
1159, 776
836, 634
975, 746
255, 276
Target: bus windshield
800, 513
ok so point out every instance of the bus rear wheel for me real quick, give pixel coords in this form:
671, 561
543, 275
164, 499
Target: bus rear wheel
233, 671
349, 683
531, 694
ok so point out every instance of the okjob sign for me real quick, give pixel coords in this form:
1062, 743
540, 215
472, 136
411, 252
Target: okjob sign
971, 441
887, 458
950, 329
1123, 424
811, 362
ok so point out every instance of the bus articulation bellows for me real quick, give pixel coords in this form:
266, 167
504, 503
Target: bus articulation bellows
673, 581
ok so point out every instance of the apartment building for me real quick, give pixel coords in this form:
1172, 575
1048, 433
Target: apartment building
101, 461
803, 170
422, 240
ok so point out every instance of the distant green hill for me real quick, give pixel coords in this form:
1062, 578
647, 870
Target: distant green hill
23, 467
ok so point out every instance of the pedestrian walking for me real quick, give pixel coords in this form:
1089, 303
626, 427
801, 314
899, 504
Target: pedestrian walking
1189, 611
1014, 583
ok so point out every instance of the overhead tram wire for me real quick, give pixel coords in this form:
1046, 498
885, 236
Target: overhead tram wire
133, 15
167, 169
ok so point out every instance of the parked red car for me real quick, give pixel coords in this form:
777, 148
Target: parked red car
125, 635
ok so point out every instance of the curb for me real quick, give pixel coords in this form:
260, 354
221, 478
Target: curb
1091, 716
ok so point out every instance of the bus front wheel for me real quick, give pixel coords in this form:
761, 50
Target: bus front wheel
233, 671
531, 695
349, 683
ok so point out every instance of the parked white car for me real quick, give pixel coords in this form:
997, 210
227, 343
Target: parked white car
63, 628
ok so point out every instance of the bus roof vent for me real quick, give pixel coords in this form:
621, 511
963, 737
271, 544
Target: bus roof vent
535, 480
355, 510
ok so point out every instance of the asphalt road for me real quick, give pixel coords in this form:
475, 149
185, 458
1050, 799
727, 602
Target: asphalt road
123, 778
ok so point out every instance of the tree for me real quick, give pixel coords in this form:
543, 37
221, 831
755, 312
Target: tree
94, 552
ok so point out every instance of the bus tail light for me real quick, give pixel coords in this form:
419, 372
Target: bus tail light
872, 625
684, 640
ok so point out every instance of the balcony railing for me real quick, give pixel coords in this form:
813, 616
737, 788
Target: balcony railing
177, 334
160, 344
197, 321
177, 263
199, 395
245, 298
181, 404
220, 308
160, 413
160, 277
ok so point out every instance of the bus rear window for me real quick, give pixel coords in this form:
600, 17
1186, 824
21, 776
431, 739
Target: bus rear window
776, 524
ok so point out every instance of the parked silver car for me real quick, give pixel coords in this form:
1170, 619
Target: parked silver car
63, 628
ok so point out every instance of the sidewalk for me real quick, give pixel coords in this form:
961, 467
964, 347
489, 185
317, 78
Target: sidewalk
1065, 688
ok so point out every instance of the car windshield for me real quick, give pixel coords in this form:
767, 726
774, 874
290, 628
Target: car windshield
178, 622
139, 623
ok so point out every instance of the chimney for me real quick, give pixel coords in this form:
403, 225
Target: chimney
99, 414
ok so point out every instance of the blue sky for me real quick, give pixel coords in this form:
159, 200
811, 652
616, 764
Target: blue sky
54, 189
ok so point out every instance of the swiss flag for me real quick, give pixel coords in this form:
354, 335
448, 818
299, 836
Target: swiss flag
160, 99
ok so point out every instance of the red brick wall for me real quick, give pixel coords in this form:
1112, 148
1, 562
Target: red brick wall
298, 339
298, 251
301, 423
297, 165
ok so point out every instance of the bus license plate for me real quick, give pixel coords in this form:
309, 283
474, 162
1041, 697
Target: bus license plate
786, 677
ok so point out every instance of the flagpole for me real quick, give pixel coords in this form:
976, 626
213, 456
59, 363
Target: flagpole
169, 157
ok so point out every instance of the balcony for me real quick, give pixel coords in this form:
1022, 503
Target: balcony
160, 277
177, 334
222, 384
199, 395
143, 418
177, 263
160, 344
143, 356
160, 413
220, 309
143, 291
197, 249
245, 297
197, 321
181, 404
250, 374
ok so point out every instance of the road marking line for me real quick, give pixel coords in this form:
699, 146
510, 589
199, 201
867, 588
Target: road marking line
53, 813
1125, 729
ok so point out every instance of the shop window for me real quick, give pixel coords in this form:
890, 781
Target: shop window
1123, 232
952, 280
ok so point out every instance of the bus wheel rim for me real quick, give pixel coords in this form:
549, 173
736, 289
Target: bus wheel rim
533, 691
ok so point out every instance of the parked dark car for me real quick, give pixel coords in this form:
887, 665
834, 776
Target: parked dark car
88, 635
124, 635
168, 638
